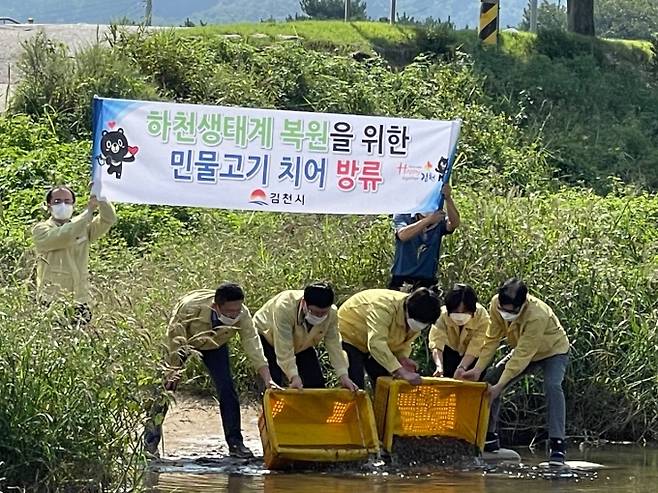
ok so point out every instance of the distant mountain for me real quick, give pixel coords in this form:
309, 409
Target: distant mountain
174, 12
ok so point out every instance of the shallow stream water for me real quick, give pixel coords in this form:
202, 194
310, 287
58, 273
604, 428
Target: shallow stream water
627, 470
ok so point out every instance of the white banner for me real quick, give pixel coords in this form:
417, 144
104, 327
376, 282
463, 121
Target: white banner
268, 160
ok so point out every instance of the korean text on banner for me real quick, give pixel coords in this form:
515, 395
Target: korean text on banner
268, 160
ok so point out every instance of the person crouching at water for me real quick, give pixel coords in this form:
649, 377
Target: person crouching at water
290, 325
62, 246
457, 337
539, 344
378, 327
205, 321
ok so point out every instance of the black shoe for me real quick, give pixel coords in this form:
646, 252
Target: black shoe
152, 442
492, 444
239, 451
557, 453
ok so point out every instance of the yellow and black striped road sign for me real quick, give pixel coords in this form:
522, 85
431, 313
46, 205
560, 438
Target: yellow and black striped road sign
489, 20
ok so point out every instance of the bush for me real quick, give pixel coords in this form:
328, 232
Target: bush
60, 86
587, 139
71, 400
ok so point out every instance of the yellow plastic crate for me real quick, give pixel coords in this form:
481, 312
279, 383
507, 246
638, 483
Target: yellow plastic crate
318, 425
438, 407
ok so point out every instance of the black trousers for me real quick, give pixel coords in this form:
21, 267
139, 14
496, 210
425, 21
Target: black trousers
308, 366
362, 363
416, 282
451, 360
218, 364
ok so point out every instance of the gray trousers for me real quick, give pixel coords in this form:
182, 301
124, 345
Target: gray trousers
553, 370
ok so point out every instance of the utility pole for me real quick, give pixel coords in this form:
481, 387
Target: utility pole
148, 16
393, 5
533, 16
348, 10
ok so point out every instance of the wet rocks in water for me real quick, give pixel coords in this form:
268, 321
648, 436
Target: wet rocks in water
412, 451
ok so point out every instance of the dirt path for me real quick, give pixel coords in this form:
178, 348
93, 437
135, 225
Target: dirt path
193, 429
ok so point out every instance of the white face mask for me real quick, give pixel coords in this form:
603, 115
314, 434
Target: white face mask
62, 211
461, 318
415, 325
314, 319
507, 316
228, 320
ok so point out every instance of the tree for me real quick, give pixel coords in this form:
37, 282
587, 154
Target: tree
581, 16
630, 19
332, 9
549, 16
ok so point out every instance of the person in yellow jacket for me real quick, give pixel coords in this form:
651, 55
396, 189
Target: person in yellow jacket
290, 326
539, 343
457, 337
205, 321
378, 327
62, 247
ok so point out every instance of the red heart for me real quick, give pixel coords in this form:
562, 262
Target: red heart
111, 124
133, 150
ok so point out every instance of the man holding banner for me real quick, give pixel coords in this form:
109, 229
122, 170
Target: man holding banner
62, 245
418, 244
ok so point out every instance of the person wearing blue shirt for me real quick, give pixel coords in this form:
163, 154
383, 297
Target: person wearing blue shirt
418, 244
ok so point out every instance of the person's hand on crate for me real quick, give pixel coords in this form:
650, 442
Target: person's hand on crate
296, 383
470, 375
273, 385
408, 364
347, 383
265, 374
493, 391
410, 376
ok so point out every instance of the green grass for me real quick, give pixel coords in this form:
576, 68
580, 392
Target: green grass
523, 44
365, 35
357, 35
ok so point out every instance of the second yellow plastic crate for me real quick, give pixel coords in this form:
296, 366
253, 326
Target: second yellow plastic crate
318, 425
438, 407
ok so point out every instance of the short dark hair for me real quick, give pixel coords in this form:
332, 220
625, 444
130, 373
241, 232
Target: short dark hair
461, 293
49, 194
424, 305
319, 294
228, 291
513, 292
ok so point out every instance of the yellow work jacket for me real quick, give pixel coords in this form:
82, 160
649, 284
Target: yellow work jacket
281, 322
374, 321
535, 335
190, 327
467, 339
63, 253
